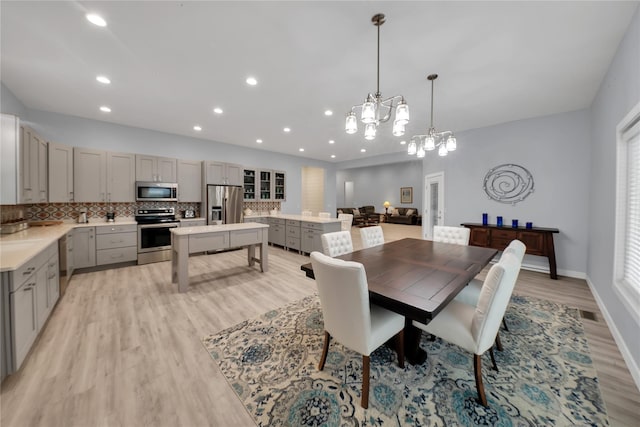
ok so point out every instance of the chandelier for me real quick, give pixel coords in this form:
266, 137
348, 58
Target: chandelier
444, 141
376, 110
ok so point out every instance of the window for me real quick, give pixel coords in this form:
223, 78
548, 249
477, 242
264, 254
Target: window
627, 240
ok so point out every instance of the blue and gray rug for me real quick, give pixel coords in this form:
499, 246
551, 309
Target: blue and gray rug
546, 375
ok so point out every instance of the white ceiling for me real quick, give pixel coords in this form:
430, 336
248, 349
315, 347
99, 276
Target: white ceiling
171, 63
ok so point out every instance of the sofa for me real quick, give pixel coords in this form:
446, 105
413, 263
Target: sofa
402, 216
361, 215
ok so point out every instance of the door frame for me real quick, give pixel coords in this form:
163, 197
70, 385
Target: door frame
427, 226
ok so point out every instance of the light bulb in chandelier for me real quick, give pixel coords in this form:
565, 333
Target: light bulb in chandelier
442, 151
420, 153
351, 125
451, 143
398, 128
429, 143
368, 112
412, 148
402, 113
370, 131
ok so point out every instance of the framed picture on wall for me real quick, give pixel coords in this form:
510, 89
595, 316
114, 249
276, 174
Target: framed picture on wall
406, 194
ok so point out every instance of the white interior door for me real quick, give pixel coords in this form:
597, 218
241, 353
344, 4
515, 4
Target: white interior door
433, 212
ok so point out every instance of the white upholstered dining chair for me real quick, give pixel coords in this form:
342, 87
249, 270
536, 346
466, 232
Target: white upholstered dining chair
475, 328
456, 235
349, 317
347, 221
337, 243
371, 236
471, 293
324, 215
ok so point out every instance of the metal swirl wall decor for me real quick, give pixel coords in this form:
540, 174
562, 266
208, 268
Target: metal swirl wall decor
508, 183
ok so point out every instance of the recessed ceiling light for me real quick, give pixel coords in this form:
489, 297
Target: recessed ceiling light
328, 113
287, 129
301, 149
403, 142
217, 110
259, 141
96, 20
331, 141
251, 81
362, 150
197, 128
105, 109
103, 79
333, 156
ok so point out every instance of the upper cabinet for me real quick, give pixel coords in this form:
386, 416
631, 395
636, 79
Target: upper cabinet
279, 186
266, 182
189, 181
264, 185
222, 173
157, 169
101, 176
24, 163
250, 185
60, 173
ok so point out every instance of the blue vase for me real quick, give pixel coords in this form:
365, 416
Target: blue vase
485, 219
514, 223
499, 221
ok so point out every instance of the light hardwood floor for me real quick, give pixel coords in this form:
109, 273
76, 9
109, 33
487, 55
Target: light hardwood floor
122, 347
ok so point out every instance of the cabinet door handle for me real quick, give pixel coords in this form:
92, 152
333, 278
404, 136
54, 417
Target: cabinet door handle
29, 286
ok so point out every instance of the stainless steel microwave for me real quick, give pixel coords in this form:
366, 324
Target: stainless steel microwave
148, 191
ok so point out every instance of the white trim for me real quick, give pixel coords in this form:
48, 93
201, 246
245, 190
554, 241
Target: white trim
628, 128
622, 346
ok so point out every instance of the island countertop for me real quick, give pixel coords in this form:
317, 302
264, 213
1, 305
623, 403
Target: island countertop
200, 229
296, 218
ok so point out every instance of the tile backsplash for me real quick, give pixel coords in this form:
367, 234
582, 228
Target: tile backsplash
71, 211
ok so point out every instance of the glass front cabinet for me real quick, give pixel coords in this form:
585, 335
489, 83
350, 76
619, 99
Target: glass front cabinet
261, 185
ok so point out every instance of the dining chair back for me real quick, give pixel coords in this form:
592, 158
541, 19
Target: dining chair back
324, 215
447, 234
337, 243
475, 328
306, 213
347, 221
371, 236
349, 317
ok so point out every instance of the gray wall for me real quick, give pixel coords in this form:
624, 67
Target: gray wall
80, 132
375, 184
555, 150
10, 104
619, 92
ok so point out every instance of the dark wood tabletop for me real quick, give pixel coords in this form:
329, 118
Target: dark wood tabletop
417, 278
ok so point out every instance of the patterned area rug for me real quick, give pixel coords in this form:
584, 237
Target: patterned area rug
545, 374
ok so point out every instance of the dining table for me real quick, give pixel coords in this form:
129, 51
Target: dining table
416, 278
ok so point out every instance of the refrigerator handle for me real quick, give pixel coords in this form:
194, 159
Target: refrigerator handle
224, 211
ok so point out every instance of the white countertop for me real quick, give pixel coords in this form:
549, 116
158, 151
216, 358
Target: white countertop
20, 247
185, 231
297, 218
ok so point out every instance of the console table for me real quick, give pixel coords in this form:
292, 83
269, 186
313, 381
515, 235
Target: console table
539, 240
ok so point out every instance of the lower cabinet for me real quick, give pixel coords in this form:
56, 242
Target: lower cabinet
33, 291
84, 247
292, 231
116, 243
310, 239
277, 231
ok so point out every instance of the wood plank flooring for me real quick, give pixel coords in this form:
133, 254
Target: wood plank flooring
122, 347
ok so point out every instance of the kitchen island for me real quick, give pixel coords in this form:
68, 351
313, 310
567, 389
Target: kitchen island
189, 240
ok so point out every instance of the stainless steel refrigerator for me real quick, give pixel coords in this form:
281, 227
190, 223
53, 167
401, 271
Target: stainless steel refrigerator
224, 204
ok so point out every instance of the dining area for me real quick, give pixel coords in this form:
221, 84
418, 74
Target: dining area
395, 291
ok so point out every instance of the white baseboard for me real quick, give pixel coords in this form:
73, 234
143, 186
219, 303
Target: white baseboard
561, 272
622, 346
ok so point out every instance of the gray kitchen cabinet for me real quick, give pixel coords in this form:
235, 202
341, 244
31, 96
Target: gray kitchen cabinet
89, 175
102, 176
24, 324
249, 183
157, 169
277, 231
222, 173
121, 177
42, 302
29, 161
116, 243
43, 179
279, 186
60, 173
53, 281
195, 222
11, 160
189, 181
84, 247
310, 239
292, 231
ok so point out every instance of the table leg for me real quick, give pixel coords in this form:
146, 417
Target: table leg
264, 252
251, 255
412, 351
551, 254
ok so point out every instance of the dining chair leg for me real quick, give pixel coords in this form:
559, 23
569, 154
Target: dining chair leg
493, 359
325, 349
477, 370
504, 323
498, 342
365, 382
400, 348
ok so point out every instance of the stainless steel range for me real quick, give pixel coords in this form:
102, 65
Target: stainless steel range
154, 235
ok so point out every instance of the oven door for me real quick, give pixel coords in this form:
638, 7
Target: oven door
155, 237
